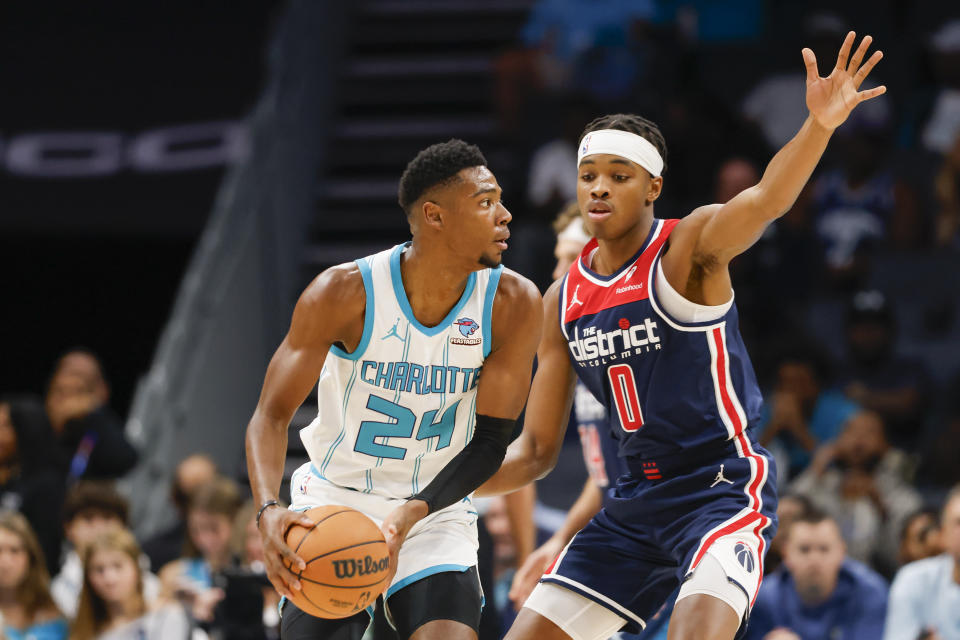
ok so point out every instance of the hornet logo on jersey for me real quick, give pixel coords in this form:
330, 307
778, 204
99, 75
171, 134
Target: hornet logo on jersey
468, 327
744, 556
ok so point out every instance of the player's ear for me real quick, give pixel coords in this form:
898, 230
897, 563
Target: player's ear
656, 187
432, 214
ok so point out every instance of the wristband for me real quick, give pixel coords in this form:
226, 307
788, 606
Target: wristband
268, 503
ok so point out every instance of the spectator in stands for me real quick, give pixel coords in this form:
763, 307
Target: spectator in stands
248, 547
925, 596
112, 604
802, 412
790, 507
777, 104
25, 603
876, 377
920, 537
210, 516
29, 482
557, 34
774, 279
947, 187
862, 483
943, 124
862, 205
91, 509
90, 434
820, 593
939, 466
193, 471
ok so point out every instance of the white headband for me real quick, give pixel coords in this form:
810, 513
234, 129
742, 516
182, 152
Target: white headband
624, 144
574, 232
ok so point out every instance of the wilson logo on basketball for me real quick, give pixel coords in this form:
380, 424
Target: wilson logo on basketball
360, 566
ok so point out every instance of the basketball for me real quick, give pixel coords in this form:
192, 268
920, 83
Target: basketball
347, 562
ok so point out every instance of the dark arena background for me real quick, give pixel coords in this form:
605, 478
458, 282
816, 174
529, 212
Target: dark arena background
173, 174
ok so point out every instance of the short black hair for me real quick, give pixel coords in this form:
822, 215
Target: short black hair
631, 123
437, 164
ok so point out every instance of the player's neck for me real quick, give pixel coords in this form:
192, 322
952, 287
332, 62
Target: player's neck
613, 253
433, 283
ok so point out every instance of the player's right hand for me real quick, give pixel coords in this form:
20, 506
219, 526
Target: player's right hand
528, 575
274, 524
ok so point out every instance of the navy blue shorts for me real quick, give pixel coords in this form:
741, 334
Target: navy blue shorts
660, 520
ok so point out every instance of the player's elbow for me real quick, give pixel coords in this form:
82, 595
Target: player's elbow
544, 459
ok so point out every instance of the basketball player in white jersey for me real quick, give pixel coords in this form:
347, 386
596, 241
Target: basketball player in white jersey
407, 427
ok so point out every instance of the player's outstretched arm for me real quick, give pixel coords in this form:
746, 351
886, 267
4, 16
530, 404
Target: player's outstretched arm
330, 310
732, 228
501, 392
535, 452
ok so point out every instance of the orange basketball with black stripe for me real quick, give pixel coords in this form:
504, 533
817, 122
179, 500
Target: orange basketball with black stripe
347, 562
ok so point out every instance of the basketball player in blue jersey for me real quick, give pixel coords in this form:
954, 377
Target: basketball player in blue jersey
645, 318
407, 426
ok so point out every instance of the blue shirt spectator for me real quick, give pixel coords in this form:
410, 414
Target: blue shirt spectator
925, 597
802, 412
820, 593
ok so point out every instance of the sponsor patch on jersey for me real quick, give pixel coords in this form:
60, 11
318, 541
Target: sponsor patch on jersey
468, 329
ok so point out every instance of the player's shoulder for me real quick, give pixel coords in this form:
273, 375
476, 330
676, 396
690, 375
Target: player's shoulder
340, 285
693, 222
515, 289
517, 306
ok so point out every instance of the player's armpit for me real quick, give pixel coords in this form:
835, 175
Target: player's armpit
535, 452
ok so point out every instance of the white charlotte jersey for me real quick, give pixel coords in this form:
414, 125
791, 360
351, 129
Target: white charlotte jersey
395, 411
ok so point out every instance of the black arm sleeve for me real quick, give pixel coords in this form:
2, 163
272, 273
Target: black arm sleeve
470, 468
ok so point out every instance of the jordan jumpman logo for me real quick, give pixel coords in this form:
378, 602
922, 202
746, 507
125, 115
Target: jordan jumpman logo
574, 300
393, 332
720, 478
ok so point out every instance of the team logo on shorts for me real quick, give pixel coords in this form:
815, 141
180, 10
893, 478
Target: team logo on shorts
468, 327
304, 482
744, 556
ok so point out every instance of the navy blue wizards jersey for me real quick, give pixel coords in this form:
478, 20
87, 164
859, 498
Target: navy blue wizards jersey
668, 386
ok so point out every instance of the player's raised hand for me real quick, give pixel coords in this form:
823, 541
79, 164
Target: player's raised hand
831, 99
274, 524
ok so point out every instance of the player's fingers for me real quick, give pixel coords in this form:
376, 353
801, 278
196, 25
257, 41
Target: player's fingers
293, 517
867, 68
845, 50
859, 53
280, 586
289, 559
810, 62
871, 93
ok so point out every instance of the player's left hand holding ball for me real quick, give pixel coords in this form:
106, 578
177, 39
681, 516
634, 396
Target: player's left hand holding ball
831, 99
274, 524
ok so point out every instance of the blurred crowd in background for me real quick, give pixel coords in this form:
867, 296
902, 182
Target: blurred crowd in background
848, 304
